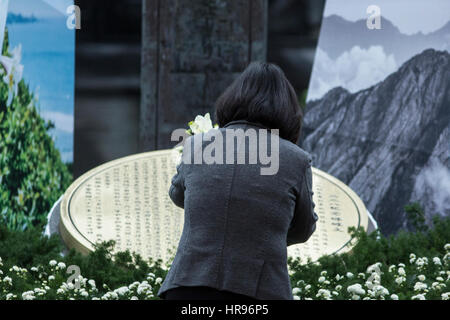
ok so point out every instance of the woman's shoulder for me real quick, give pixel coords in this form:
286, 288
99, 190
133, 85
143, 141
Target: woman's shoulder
294, 151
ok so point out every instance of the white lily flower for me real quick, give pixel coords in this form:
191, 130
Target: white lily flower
14, 72
201, 124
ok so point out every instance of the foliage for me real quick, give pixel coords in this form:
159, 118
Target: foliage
4, 49
31, 267
416, 216
302, 98
32, 175
409, 265
412, 265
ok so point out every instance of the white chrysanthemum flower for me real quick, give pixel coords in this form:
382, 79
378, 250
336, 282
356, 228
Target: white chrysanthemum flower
380, 291
440, 279
121, 291
323, 293
445, 296
323, 273
60, 291
355, 297
133, 285
421, 263
321, 279
421, 277
52, 263
307, 287
394, 297
143, 287
349, 275
113, 295
437, 261
338, 277
61, 265
296, 290
8, 280
437, 286
92, 283
447, 247
40, 291
34, 269
338, 287
28, 295
356, 289
134, 298
51, 278
420, 286
401, 271
418, 297
401, 265
10, 296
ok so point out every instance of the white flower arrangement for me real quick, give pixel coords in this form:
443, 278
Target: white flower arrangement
416, 281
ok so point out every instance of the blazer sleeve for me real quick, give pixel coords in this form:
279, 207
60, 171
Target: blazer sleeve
303, 223
177, 187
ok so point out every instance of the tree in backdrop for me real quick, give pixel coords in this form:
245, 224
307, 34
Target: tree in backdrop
32, 174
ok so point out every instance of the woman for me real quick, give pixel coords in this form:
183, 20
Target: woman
238, 220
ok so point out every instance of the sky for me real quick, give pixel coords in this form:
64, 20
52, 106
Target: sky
408, 15
40, 8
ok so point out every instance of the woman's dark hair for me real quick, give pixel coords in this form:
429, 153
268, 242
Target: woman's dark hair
262, 94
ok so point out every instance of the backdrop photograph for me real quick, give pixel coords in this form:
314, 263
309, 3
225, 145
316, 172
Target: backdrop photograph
378, 106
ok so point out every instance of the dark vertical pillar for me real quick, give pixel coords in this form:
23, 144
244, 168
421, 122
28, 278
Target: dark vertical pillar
191, 50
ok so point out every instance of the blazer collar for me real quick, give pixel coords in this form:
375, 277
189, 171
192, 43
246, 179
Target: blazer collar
245, 122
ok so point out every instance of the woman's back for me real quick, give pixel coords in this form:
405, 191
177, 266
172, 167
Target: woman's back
246, 189
237, 215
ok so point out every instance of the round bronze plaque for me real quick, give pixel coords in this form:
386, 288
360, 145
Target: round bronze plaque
127, 200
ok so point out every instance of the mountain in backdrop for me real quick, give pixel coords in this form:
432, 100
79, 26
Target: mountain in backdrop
390, 142
338, 35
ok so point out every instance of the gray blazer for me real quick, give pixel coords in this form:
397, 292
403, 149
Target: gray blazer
238, 223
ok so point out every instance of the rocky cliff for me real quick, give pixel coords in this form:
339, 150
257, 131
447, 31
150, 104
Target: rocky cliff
390, 142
